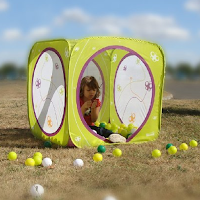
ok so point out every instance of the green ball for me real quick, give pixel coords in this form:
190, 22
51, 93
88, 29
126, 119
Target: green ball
12, 155
47, 144
168, 145
101, 149
102, 125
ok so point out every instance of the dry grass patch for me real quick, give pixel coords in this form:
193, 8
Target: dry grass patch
135, 175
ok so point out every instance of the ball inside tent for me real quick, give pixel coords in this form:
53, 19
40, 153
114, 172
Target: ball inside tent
172, 150
37, 191
38, 160
117, 152
37, 154
97, 157
30, 162
109, 198
156, 153
46, 162
101, 149
47, 144
78, 162
169, 145
102, 125
183, 147
193, 143
12, 155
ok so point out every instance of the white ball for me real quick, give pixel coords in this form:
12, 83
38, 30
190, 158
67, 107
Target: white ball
94, 131
78, 163
109, 198
37, 190
46, 162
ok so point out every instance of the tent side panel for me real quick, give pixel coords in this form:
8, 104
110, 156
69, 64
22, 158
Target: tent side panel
47, 91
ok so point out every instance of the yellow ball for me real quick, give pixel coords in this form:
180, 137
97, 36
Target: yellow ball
37, 154
193, 143
12, 155
38, 160
172, 150
30, 162
156, 153
122, 126
183, 147
124, 132
97, 157
108, 126
117, 152
97, 123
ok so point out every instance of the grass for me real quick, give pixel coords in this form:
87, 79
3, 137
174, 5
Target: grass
134, 175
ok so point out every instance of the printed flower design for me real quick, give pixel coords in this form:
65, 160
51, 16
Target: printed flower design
154, 57
38, 83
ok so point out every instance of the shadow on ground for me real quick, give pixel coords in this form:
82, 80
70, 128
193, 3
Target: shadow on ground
20, 138
181, 111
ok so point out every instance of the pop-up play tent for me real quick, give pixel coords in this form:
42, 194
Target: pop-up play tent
130, 74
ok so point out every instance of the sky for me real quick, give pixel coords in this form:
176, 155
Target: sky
173, 24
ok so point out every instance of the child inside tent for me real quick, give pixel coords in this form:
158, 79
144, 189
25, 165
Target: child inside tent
90, 107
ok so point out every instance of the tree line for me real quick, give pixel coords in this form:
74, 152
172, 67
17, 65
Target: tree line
180, 71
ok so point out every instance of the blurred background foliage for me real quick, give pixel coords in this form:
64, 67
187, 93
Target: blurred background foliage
182, 71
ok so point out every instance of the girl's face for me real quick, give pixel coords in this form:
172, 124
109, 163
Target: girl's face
89, 93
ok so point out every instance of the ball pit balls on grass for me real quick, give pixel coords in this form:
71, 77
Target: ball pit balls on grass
117, 152
183, 147
97, 157
168, 145
156, 153
37, 191
38, 154
78, 162
101, 149
30, 162
172, 150
12, 156
46, 162
193, 143
38, 160
109, 198
47, 144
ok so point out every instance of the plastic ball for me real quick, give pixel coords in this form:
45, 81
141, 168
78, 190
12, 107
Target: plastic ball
37, 191
117, 152
108, 126
115, 130
38, 160
109, 198
193, 143
30, 162
156, 153
97, 157
172, 150
97, 123
78, 162
37, 154
102, 125
12, 155
122, 126
168, 145
101, 149
183, 146
124, 132
46, 162
47, 144
114, 126
131, 126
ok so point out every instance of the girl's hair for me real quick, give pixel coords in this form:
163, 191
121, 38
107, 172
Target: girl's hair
92, 83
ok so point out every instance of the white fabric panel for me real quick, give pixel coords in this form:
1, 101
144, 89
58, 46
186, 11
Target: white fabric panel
133, 91
49, 92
